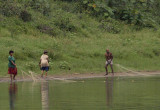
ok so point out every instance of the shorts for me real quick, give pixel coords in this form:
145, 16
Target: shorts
109, 62
12, 71
45, 68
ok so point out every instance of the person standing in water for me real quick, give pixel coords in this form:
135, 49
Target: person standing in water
44, 63
12, 69
109, 61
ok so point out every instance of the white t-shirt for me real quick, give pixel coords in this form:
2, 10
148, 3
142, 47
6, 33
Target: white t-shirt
44, 60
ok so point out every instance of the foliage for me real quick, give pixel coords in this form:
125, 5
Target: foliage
25, 16
137, 12
65, 24
97, 8
70, 17
64, 65
110, 26
46, 29
42, 6
9, 8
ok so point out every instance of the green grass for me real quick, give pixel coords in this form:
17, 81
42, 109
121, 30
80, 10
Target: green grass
77, 41
136, 50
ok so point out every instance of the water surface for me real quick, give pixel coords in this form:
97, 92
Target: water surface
119, 93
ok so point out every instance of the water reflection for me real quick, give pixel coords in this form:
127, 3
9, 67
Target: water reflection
12, 95
44, 95
109, 90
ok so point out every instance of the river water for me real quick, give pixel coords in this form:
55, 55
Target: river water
113, 93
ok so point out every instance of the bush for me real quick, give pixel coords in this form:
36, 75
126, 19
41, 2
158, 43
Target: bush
65, 24
156, 52
10, 8
110, 26
96, 8
25, 16
46, 29
64, 65
42, 6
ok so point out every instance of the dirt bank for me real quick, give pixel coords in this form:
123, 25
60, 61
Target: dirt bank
77, 76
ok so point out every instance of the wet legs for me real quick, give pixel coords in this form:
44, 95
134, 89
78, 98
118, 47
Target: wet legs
43, 73
106, 67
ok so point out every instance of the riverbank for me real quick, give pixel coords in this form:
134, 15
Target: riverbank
76, 76
138, 51
75, 41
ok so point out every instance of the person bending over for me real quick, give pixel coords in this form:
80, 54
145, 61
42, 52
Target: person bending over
44, 63
109, 61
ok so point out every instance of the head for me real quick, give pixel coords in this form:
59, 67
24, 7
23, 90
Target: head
45, 52
11, 52
107, 50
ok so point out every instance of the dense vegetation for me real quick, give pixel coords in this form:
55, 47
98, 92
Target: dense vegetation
77, 32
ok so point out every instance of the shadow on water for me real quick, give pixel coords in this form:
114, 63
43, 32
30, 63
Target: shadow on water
44, 95
109, 91
12, 95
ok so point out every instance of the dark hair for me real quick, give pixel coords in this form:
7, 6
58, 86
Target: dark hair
11, 51
45, 52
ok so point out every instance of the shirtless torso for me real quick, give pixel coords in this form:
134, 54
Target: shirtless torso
109, 58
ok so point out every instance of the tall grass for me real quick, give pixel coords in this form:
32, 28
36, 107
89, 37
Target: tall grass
76, 42
136, 50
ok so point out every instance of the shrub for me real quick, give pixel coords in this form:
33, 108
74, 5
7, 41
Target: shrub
42, 6
156, 52
10, 8
65, 24
46, 29
110, 26
25, 16
96, 8
64, 65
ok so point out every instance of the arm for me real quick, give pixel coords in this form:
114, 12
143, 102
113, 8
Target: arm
111, 57
48, 59
106, 56
40, 63
13, 63
10, 59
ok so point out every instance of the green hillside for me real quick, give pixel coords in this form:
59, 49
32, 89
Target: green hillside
77, 32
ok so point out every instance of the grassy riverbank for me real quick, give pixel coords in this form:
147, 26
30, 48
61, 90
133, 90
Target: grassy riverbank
76, 41
136, 50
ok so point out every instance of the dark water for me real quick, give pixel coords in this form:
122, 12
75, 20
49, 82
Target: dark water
140, 93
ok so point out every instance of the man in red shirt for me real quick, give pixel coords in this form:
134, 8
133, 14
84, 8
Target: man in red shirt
109, 61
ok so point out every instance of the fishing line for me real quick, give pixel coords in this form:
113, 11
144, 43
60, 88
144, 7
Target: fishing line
135, 72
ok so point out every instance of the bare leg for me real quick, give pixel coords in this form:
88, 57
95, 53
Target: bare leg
42, 73
46, 73
112, 69
106, 67
11, 77
14, 77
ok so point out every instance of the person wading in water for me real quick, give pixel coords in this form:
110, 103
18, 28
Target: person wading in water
109, 61
44, 63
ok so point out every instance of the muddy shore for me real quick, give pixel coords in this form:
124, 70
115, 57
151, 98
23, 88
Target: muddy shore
77, 76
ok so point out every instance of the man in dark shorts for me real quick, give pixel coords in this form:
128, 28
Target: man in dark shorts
109, 61
44, 63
